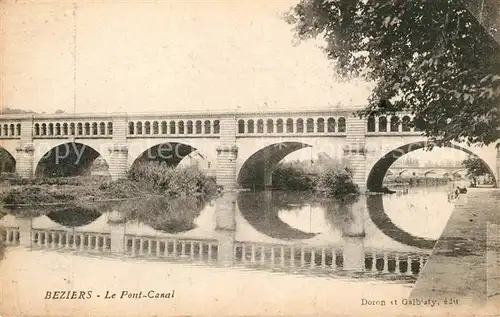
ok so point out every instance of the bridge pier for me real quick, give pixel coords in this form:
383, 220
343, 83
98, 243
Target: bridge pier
118, 151
227, 154
355, 150
25, 152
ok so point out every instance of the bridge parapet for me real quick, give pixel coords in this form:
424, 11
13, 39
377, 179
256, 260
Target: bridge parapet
292, 125
173, 127
391, 124
10, 128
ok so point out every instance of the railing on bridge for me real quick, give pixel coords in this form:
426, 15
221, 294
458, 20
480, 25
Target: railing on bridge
84, 129
89, 241
389, 124
10, 129
318, 125
316, 122
158, 128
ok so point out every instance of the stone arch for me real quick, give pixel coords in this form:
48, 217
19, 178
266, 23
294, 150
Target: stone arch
241, 126
207, 127
370, 123
405, 124
189, 127
379, 169
331, 125
172, 127
67, 159
279, 125
429, 172
382, 124
260, 126
402, 172
256, 171
320, 125
169, 153
216, 124
270, 126
7, 161
459, 171
341, 124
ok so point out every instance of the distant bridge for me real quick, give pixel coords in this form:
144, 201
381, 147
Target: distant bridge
427, 171
241, 147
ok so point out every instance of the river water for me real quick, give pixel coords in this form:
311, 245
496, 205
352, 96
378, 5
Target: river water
384, 237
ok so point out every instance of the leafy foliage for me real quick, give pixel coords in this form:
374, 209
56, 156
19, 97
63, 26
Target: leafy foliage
293, 176
475, 166
430, 58
327, 178
336, 182
169, 180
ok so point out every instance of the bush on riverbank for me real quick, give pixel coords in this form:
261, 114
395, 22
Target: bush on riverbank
293, 176
336, 181
325, 178
159, 177
144, 180
36, 195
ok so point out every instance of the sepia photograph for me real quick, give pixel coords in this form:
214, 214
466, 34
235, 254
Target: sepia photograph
249, 158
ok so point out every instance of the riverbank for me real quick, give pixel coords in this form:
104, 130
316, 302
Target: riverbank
459, 266
145, 180
69, 190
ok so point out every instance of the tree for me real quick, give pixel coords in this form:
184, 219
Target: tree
8, 110
475, 167
431, 58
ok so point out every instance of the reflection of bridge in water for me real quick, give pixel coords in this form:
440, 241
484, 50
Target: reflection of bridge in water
299, 258
231, 240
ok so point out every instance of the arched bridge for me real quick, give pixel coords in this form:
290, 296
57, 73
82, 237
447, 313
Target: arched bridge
427, 171
241, 148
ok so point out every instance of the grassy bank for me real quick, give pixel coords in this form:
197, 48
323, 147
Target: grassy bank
324, 178
144, 180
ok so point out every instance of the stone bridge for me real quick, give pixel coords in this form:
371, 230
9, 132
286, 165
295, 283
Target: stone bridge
427, 171
240, 148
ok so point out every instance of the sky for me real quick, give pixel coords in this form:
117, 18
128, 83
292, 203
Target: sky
162, 56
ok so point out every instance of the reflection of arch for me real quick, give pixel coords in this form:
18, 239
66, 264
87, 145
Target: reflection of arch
375, 206
7, 162
170, 153
67, 159
256, 171
261, 209
379, 169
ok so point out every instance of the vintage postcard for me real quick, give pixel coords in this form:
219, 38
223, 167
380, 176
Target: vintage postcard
249, 158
